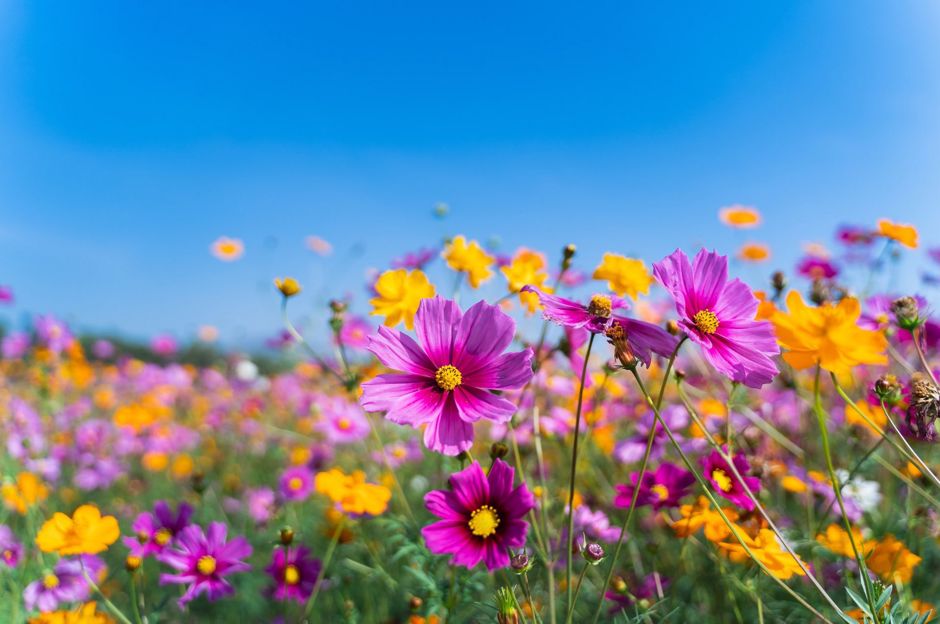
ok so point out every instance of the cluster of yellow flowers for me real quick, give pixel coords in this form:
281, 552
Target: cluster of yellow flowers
351, 492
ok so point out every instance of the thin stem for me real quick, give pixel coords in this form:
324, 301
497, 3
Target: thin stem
916, 335
94, 587
917, 459
577, 591
326, 563
300, 339
574, 468
135, 604
388, 466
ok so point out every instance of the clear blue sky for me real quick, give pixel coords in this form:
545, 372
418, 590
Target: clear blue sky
132, 134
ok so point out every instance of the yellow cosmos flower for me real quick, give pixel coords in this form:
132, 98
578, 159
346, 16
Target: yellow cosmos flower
227, 249
738, 216
87, 532
399, 293
765, 549
352, 493
827, 335
27, 491
85, 614
901, 232
701, 516
892, 561
875, 415
754, 252
625, 276
836, 539
288, 286
527, 268
469, 258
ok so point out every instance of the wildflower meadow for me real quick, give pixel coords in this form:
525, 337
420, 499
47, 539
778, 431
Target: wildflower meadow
537, 437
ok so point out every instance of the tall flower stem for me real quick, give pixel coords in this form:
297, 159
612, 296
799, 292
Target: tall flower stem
636, 490
574, 468
300, 339
135, 602
94, 587
391, 470
327, 557
916, 335
837, 488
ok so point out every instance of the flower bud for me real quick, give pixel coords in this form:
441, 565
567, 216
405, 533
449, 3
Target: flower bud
566, 255
779, 282
506, 612
287, 536
521, 562
288, 286
415, 603
906, 312
673, 328
820, 292
888, 389
132, 563
593, 553
498, 451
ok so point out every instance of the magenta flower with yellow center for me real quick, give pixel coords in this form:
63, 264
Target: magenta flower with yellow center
448, 375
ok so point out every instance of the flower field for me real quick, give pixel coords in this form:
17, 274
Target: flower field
541, 437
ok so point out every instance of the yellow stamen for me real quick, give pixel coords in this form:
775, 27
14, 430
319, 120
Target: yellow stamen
206, 565
721, 478
660, 491
600, 306
706, 321
483, 521
162, 537
50, 581
295, 484
291, 575
448, 377
344, 424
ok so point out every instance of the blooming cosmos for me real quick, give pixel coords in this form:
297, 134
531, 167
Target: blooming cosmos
227, 249
481, 516
663, 487
448, 375
351, 493
154, 531
84, 614
827, 335
527, 268
10, 548
469, 258
203, 560
738, 216
296, 483
85, 532
767, 549
294, 573
64, 583
24, 493
754, 252
719, 315
399, 292
627, 277
900, 232
725, 483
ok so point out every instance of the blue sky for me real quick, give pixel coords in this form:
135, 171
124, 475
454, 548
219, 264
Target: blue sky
134, 134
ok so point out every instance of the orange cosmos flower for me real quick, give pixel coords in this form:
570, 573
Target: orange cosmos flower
625, 276
765, 549
352, 493
754, 252
837, 540
892, 561
827, 335
227, 249
25, 493
469, 258
701, 516
900, 232
85, 614
738, 216
87, 532
527, 269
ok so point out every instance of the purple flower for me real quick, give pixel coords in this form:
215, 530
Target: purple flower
594, 524
65, 583
449, 373
719, 315
203, 560
15, 345
6, 295
415, 260
53, 333
717, 471
294, 573
163, 345
343, 422
156, 531
10, 549
815, 267
103, 349
481, 516
355, 333
854, 235
594, 317
663, 488
296, 483
261, 504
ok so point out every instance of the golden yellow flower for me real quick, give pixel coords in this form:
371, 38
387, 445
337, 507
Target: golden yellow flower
836, 539
227, 249
765, 549
469, 258
701, 516
901, 232
527, 268
827, 335
625, 276
399, 293
892, 561
352, 493
875, 415
738, 216
25, 492
288, 286
86, 614
87, 532
754, 252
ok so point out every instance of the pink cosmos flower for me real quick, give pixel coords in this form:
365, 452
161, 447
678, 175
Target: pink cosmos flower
664, 487
719, 315
203, 560
294, 573
717, 471
155, 531
449, 373
355, 333
481, 516
815, 267
296, 483
10, 549
343, 422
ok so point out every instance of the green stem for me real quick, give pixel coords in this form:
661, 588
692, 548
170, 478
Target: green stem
326, 563
300, 339
578, 590
134, 600
94, 587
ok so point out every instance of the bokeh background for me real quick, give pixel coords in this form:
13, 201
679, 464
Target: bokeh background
133, 135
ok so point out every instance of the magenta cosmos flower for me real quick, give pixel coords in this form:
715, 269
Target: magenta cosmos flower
294, 573
598, 316
203, 560
481, 516
663, 488
448, 374
154, 531
719, 315
726, 484
296, 483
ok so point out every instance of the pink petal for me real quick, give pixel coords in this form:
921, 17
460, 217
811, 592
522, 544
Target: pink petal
484, 332
447, 433
399, 351
474, 404
436, 323
508, 371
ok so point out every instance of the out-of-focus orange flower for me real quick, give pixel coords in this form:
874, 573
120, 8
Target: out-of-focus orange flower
754, 252
765, 549
527, 268
765, 308
625, 276
135, 415
738, 216
154, 461
468, 258
87, 532
27, 491
86, 614
794, 484
892, 561
875, 414
352, 493
827, 335
182, 466
701, 516
399, 292
287, 285
900, 232
836, 539
227, 249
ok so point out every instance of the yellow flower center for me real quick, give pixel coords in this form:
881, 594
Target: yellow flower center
295, 484
706, 321
50, 581
660, 491
162, 537
206, 565
483, 521
291, 575
600, 306
344, 424
448, 377
7, 555
721, 477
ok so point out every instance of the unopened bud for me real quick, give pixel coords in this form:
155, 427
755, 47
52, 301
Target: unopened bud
415, 603
888, 389
673, 328
779, 282
907, 313
521, 562
498, 451
287, 536
820, 292
924, 408
132, 563
593, 553
566, 255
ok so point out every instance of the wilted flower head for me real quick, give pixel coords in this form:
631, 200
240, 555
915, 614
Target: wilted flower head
924, 408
